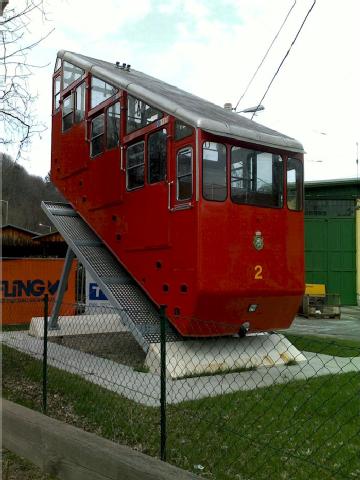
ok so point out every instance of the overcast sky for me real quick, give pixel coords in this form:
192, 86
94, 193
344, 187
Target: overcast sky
211, 48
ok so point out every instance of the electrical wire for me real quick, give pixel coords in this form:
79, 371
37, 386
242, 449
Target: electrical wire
264, 57
285, 56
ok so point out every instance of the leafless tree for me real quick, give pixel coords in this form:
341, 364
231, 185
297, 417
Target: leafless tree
18, 122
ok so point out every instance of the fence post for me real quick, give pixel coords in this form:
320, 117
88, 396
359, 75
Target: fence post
163, 382
46, 314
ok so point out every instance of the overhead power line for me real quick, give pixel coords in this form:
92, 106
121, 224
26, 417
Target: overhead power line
286, 55
264, 57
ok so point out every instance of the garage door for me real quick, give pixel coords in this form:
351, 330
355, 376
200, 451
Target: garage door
330, 255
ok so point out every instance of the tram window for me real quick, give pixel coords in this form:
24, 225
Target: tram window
214, 171
184, 174
157, 156
100, 91
256, 178
140, 114
294, 183
182, 130
135, 166
67, 115
80, 103
70, 74
113, 125
57, 86
97, 135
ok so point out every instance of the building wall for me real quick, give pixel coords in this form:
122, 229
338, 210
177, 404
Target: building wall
332, 232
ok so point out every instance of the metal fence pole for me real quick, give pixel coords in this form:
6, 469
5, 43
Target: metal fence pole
163, 382
46, 314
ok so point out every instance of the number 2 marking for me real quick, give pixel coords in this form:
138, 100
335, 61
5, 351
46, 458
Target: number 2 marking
258, 272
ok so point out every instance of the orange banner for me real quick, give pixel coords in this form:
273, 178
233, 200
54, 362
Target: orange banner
24, 283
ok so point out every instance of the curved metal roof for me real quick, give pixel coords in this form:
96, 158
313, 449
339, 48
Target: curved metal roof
187, 107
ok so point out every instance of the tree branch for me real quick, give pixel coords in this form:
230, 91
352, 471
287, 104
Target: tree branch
16, 112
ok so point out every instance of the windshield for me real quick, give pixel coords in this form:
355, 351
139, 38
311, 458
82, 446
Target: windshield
256, 177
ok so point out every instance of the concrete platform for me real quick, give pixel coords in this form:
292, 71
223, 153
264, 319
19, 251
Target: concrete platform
144, 388
212, 355
188, 357
79, 325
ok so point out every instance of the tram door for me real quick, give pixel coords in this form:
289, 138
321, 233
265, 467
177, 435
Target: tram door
146, 192
155, 213
181, 206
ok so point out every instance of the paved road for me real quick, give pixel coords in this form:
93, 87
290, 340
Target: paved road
348, 327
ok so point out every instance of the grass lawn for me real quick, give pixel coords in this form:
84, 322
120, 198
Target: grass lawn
325, 345
16, 326
17, 468
298, 431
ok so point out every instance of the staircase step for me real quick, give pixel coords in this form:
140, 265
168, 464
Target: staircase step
137, 311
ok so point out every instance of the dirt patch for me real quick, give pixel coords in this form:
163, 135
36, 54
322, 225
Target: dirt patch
120, 347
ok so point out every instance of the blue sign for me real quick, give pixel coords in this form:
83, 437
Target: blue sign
95, 292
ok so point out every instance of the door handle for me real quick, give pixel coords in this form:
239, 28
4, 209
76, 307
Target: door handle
169, 194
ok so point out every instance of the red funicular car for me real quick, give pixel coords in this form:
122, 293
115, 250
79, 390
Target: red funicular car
203, 207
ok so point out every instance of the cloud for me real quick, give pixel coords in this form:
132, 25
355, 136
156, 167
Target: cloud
211, 48
96, 19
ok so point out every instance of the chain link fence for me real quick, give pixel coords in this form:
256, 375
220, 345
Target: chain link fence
263, 406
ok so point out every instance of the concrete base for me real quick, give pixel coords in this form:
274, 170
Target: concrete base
216, 355
79, 325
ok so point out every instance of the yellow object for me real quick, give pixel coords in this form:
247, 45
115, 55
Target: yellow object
315, 289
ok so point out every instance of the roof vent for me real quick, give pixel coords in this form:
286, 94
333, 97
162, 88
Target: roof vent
123, 66
228, 106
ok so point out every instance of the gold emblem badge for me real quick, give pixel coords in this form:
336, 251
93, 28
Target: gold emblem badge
258, 241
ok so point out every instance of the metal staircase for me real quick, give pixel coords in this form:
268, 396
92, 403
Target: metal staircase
137, 312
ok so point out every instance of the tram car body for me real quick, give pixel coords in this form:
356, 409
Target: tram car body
203, 207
